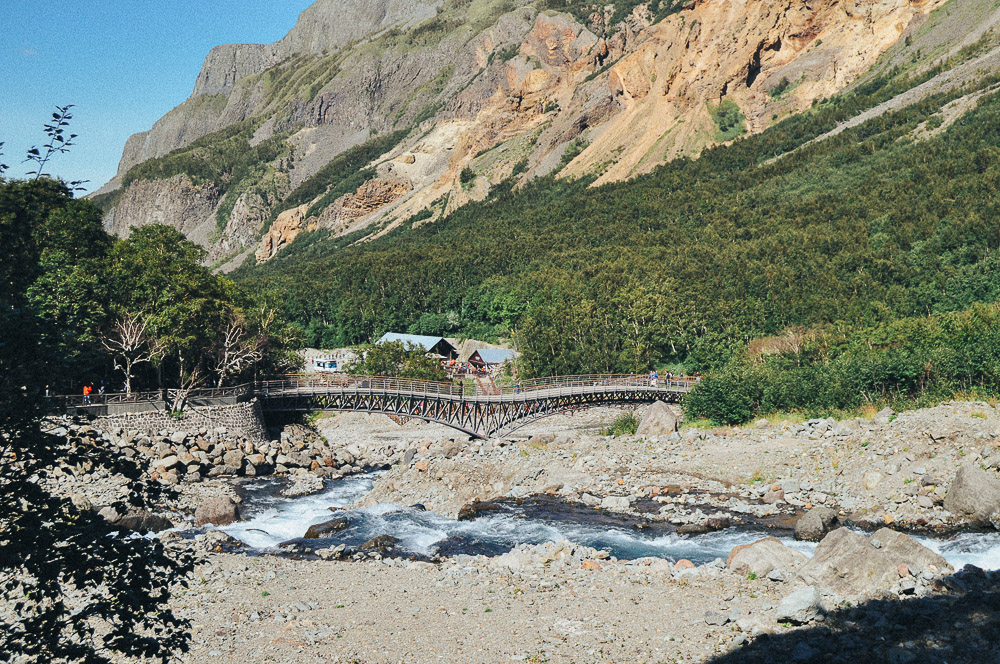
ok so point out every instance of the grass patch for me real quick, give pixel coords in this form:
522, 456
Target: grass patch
625, 424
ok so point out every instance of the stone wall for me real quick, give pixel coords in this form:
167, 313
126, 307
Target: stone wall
244, 418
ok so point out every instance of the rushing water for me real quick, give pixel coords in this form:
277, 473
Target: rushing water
274, 519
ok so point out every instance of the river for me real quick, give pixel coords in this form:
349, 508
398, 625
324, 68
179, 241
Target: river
272, 519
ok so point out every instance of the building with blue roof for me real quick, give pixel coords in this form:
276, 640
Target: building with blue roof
491, 357
433, 345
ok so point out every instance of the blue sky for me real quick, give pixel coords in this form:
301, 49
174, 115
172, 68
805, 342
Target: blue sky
122, 64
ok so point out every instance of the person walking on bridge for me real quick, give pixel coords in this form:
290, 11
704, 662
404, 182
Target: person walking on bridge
86, 394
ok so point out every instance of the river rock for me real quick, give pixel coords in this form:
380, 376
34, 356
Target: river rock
814, 524
762, 557
615, 503
216, 540
974, 493
143, 521
303, 486
801, 607
852, 565
872, 479
233, 458
658, 420
318, 530
379, 543
219, 511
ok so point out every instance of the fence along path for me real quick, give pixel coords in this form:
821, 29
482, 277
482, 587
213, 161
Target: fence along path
467, 406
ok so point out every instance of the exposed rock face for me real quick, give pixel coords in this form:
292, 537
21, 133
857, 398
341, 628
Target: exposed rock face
284, 229
975, 494
229, 63
851, 564
369, 198
177, 202
517, 91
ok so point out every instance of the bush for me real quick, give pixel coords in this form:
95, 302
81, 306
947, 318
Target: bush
728, 398
780, 88
728, 119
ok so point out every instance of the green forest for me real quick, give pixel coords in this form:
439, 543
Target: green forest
869, 241
135, 313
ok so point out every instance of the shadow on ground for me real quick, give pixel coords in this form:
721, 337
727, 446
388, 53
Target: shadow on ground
958, 622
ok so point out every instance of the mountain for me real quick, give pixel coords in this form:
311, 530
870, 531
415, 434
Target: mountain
375, 115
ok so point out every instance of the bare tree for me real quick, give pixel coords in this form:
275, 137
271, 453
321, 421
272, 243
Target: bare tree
241, 347
130, 344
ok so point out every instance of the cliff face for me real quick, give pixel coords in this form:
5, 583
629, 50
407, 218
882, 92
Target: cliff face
480, 91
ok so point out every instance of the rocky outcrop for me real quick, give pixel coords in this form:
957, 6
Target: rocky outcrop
225, 65
285, 228
369, 198
177, 202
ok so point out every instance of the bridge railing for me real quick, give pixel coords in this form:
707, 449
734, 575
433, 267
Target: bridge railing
406, 386
557, 385
611, 381
115, 398
381, 384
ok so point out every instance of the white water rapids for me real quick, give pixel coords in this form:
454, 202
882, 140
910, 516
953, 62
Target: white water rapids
275, 519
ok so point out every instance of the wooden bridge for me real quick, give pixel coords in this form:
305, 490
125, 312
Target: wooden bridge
478, 409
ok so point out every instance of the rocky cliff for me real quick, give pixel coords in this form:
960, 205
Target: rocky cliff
283, 138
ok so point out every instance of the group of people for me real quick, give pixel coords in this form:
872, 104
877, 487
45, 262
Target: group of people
654, 378
456, 368
88, 390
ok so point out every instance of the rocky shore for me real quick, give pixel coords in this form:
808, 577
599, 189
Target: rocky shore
928, 470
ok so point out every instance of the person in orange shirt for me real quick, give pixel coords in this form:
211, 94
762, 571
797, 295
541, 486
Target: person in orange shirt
86, 394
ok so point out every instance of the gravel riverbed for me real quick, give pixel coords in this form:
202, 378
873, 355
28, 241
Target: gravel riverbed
561, 601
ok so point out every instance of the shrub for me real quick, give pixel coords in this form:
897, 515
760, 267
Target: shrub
625, 424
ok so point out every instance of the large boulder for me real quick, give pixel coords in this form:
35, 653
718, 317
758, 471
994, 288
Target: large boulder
815, 524
975, 494
220, 511
852, 565
658, 420
764, 556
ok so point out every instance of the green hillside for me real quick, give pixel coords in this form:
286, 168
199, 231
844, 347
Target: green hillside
890, 221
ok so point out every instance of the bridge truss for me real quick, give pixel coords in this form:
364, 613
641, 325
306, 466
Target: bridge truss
464, 407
